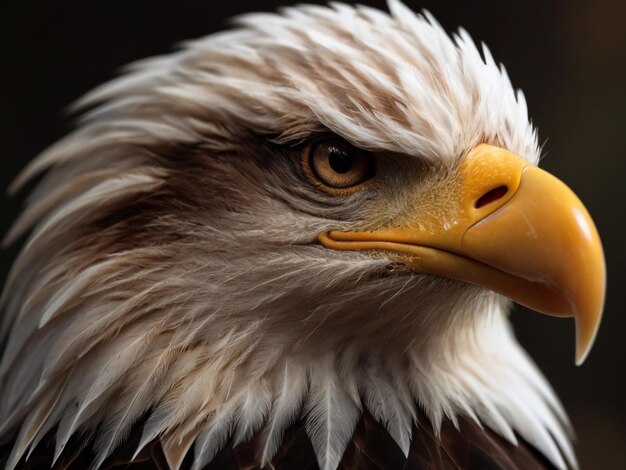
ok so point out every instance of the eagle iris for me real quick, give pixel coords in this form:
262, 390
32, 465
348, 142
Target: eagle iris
336, 164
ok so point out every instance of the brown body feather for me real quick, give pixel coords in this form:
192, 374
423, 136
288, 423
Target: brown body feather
370, 448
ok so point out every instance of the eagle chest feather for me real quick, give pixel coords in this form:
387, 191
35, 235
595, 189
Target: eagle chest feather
370, 448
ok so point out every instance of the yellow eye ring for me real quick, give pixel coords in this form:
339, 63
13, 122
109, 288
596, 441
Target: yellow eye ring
337, 167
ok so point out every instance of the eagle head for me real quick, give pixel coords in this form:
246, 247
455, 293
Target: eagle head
318, 215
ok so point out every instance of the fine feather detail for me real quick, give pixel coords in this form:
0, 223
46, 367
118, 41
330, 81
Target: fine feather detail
252, 411
383, 403
213, 438
105, 375
117, 425
332, 416
172, 275
291, 386
33, 424
175, 448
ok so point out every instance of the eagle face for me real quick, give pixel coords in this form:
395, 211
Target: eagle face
316, 215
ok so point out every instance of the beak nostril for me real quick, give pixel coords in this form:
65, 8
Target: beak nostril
491, 196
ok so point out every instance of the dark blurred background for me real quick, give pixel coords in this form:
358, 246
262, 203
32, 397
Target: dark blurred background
568, 56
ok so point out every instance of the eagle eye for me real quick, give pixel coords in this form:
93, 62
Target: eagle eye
337, 166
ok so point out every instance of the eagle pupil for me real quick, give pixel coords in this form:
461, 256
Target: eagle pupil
339, 160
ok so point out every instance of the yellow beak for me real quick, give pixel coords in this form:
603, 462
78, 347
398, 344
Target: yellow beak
511, 227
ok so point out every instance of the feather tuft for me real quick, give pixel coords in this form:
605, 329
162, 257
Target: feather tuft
332, 416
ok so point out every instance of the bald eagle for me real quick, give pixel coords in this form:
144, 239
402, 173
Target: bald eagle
293, 245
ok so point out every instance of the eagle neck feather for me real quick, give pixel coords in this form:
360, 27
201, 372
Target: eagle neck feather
331, 390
